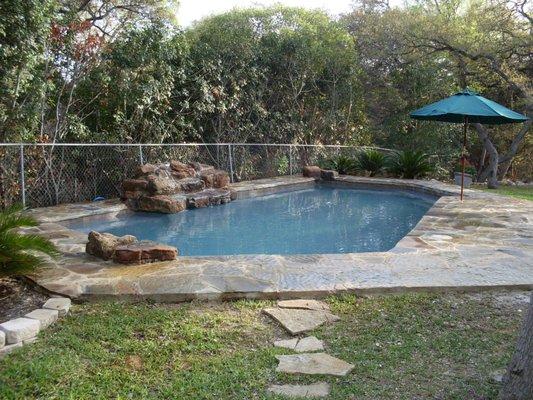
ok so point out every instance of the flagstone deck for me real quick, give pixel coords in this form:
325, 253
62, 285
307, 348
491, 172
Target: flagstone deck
485, 242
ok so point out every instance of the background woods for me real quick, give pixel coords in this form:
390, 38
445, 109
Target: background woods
124, 71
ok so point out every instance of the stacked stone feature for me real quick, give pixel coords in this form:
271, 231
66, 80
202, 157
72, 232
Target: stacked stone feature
171, 188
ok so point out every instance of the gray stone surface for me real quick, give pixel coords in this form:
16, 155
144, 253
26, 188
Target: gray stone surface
2, 339
297, 321
19, 329
313, 364
303, 304
9, 348
303, 345
314, 390
46, 317
61, 304
485, 242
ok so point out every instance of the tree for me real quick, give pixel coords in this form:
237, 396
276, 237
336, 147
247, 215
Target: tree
518, 381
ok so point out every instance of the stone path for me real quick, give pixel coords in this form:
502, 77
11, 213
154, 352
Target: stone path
298, 316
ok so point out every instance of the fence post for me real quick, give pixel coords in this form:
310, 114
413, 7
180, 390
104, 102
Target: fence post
141, 154
230, 158
22, 176
290, 159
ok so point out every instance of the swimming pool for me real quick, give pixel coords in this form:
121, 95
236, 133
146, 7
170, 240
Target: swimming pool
319, 220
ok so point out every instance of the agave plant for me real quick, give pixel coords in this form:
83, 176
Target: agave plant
371, 161
21, 253
409, 164
342, 164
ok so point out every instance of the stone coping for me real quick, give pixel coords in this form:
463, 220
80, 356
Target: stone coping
485, 242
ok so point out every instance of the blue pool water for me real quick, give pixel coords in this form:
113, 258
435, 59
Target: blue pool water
319, 220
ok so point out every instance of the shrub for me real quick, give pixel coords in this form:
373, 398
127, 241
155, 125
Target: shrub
469, 168
342, 164
409, 164
372, 161
20, 253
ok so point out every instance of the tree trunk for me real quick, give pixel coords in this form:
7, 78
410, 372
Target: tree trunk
507, 159
518, 381
491, 173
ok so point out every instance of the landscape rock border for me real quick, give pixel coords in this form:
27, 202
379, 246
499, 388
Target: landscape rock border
24, 330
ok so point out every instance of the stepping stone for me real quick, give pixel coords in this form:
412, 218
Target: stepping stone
296, 321
45, 316
313, 364
304, 304
303, 345
2, 339
61, 304
320, 389
19, 329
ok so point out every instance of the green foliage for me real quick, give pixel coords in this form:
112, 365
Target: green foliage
372, 161
409, 164
342, 164
20, 253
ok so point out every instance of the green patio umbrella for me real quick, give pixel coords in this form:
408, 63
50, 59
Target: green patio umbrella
467, 107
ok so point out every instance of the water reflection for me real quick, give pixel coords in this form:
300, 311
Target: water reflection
321, 220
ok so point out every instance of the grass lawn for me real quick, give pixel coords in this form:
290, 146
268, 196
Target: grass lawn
414, 346
521, 192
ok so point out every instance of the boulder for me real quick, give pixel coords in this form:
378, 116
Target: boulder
208, 197
328, 174
188, 185
215, 178
144, 252
161, 185
146, 169
133, 188
311, 171
180, 170
162, 204
103, 245
199, 167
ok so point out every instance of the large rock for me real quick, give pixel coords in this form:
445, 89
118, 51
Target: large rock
133, 188
208, 197
19, 329
144, 252
188, 185
328, 174
199, 167
314, 390
181, 171
215, 178
146, 169
297, 321
162, 204
103, 245
313, 364
158, 185
311, 171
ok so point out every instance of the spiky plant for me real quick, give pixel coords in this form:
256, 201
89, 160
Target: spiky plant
342, 164
371, 161
409, 164
21, 253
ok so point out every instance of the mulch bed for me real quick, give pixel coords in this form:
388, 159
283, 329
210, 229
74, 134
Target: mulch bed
18, 298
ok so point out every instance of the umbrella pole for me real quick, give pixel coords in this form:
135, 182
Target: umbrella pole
463, 158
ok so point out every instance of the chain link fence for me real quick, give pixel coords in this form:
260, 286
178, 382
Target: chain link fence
38, 175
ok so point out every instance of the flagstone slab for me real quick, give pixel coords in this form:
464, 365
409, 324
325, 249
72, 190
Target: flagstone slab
297, 321
60, 304
303, 345
19, 329
303, 304
314, 390
313, 364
